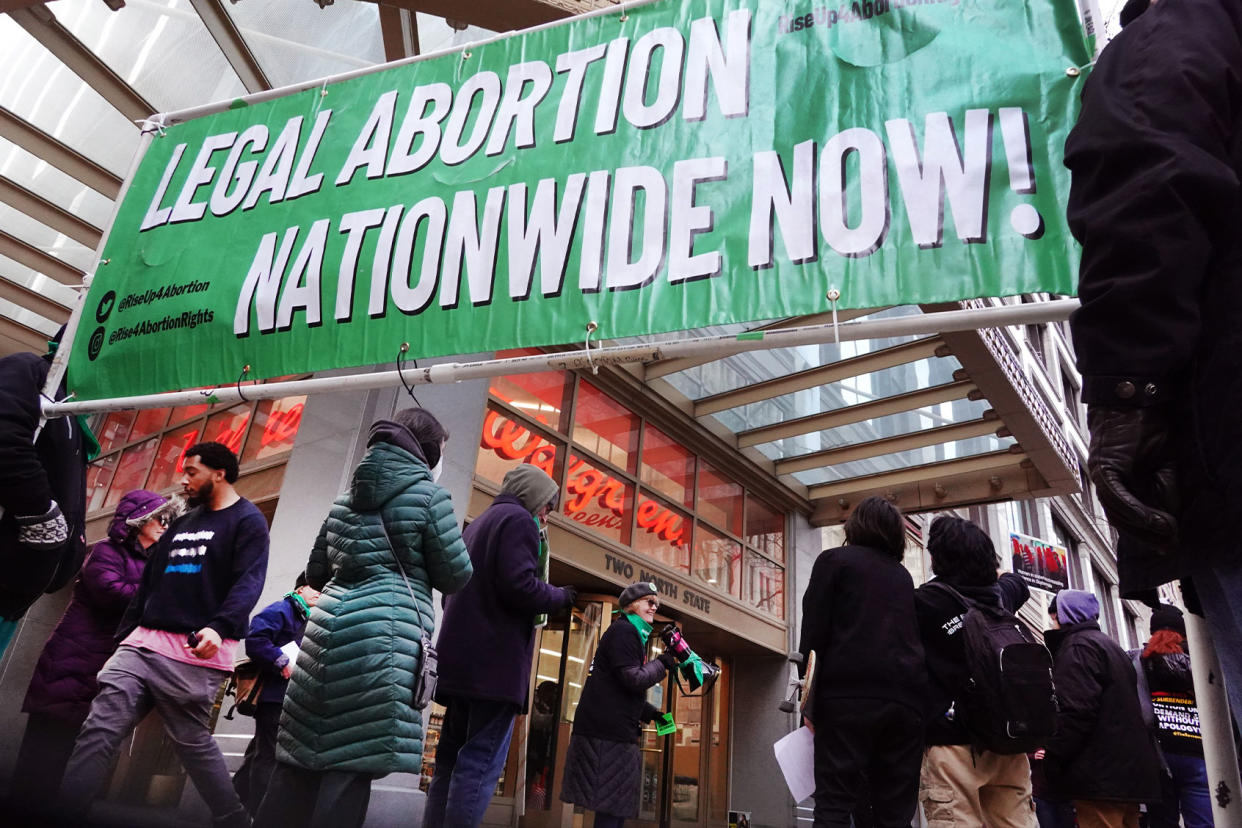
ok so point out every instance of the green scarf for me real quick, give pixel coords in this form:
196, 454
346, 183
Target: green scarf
644, 629
541, 567
300, 603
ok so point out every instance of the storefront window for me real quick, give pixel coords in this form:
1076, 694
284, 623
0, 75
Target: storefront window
720, 499
169, 460
662, 533
98, 476
765, 529
667, 466
544, 397
131, 471
597, 500
186, 412
765, 585
229, 427
716, 560
149, 421
115, 430
274, 428
605, 427
507, 443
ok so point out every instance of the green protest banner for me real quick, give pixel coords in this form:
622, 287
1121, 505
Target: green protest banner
666, 167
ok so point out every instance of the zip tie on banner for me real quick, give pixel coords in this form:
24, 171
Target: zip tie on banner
591, 327
323, 93
240, 377
153, 124
409, 389
833, 296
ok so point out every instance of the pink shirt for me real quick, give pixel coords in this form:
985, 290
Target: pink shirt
173, 645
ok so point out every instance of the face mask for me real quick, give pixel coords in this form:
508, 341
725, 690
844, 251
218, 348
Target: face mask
436, 470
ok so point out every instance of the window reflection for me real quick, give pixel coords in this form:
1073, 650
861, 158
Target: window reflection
765, 529
506, 444
667, 466
544, 397
605, 427
170, 459
597, 500
662, 533
720, 499
716, 560
765, 585
229, 427
274, 428
131, 471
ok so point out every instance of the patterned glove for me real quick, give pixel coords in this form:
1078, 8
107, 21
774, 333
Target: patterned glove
43, 532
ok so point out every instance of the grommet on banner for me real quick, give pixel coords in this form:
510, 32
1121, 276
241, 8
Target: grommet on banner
833, 296
409, 389
591, 327
240, 377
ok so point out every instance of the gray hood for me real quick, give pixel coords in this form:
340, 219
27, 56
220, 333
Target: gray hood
531, 485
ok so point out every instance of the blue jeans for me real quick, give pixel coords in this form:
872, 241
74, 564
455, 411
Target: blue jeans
1187, 788
474, 742
1054, 814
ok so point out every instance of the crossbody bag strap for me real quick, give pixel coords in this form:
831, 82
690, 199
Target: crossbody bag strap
418, 609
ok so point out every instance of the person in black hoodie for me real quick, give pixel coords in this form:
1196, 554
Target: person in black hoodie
42, 489
959, 784
1102, 755
868, 693
603, 766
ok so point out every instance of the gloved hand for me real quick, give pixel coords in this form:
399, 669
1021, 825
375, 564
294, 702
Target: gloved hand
1132, 466
43, 532
571, 595
668, 660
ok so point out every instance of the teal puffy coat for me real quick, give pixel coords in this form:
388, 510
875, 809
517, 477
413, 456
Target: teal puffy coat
348, 707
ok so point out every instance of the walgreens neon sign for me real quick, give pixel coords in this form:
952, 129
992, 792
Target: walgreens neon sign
510, 440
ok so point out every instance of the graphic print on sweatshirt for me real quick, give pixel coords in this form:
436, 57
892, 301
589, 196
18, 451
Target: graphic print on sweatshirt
187, 551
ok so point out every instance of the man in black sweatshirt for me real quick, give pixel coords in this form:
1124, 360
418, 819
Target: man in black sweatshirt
178, 637
961, 785
868, 694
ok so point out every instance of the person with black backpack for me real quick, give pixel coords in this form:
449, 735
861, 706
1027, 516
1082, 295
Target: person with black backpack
981, 717
1103, 756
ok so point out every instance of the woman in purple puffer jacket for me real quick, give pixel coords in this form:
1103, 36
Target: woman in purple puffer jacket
60, 692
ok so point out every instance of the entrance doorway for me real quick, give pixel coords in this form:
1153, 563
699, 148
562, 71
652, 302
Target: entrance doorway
684, 775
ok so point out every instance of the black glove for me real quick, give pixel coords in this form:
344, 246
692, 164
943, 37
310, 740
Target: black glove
1132, 466
43, 532
571, 595
668, 660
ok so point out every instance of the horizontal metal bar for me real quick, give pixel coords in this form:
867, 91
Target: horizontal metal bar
890, 445
32, 257
45, 212
959, 320
899, 477
60, 155
883, 407
821, 375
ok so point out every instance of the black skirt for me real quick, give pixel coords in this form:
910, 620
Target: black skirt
603, 776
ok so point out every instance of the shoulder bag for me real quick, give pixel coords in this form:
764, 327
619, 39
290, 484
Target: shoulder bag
428, 672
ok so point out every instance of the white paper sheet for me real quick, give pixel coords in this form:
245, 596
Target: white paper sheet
795, 753
291, 650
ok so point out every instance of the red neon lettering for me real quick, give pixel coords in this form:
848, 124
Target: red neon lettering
282, 426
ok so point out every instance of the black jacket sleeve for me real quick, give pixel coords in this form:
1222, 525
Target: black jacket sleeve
1153, 193
1079, 674
24, 486
631, 672
816, 615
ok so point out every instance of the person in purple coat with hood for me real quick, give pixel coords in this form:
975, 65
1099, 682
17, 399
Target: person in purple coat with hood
63, 685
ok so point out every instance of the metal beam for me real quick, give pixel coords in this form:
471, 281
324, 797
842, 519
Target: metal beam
43, 26
69, 161
399, 28
988, 424
38, 261
939, 492
45, 212
229, 38
500, 15
28, 338
672, 366
23, 296
822, 375
883, 407
911, 474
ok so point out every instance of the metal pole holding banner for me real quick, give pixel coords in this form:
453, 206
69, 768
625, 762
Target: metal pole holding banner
1215, 724
61, 361
716, 347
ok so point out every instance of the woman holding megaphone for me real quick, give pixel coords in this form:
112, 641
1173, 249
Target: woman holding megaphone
603, 767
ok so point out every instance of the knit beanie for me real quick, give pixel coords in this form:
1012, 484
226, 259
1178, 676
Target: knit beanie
1168, 617
635, 591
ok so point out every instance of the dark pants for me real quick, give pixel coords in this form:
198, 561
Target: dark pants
257, 765
314, 799
474, 742
1054, 814
866, 744
46, 747
608, 821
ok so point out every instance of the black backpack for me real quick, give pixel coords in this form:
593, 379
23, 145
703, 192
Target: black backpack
1008, 705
